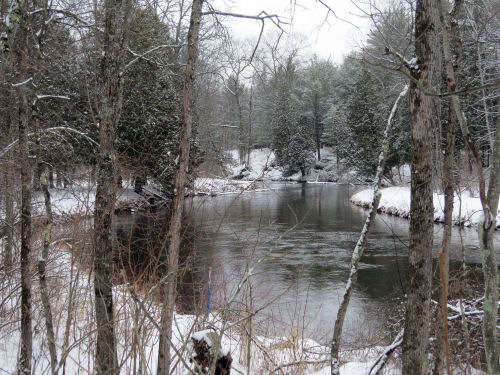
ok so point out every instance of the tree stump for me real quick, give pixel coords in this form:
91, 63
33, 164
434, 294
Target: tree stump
203, 344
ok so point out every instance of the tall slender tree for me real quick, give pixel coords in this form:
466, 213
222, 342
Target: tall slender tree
489, 197
21, 66
174, 232
110, 104
417, 318
442, 347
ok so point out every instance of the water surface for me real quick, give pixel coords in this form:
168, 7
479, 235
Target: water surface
305, 234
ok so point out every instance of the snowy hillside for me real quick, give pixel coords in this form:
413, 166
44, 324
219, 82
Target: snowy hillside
262, 165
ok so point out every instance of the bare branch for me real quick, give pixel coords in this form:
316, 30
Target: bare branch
54, 129
140, 56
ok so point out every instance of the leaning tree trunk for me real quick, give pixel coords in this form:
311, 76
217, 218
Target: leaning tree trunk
417, 318
360, 245
110, 104
167, 314
489, 201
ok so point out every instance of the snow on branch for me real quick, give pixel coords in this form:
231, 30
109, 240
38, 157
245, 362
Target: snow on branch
262, 16
49, 130
380, 362
40, 97
66, 13
22, 83
140, 56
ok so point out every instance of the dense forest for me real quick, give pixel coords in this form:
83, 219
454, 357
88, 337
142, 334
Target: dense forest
121, 107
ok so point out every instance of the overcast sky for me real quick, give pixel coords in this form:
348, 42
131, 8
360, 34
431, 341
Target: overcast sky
332, 38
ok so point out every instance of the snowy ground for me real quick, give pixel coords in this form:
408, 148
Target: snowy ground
396, 201
218, 186
71, 294
133, 324
77, 334
262, 167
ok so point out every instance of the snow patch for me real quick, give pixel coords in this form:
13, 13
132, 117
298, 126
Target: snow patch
467, 209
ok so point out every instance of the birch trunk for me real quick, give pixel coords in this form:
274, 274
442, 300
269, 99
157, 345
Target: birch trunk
360, 245
417, 318
167, 314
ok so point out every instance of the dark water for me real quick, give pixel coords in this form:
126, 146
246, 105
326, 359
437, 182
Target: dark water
306, 234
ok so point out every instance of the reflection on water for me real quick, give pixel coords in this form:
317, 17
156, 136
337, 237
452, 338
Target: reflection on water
311, 230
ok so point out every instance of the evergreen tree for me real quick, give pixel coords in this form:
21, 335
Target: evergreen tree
292, 140
365, 123
149, 129
316, 91
337, 133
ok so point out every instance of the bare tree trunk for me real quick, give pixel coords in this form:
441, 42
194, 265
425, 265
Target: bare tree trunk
164, 360
24, 364
442, 345
317, 126
20, 61
9, 219
8, 162
419, 278
489, 202
249, 138
486, 231
42, 274
110, 96
360, 245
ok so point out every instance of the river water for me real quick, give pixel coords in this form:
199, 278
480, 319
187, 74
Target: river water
304, 234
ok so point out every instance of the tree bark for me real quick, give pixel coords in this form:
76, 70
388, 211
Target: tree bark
110, 104
486, 230
441, 351
417, 318
360, 245
24, 365
20, 62
489, 202
42, 274
9, 218
167, 314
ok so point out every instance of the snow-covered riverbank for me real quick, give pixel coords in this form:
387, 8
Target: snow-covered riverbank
396, 201
71, 293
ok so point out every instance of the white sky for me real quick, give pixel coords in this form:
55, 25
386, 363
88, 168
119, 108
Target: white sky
331, 39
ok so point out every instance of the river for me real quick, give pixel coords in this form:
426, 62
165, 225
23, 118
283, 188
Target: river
305, 235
